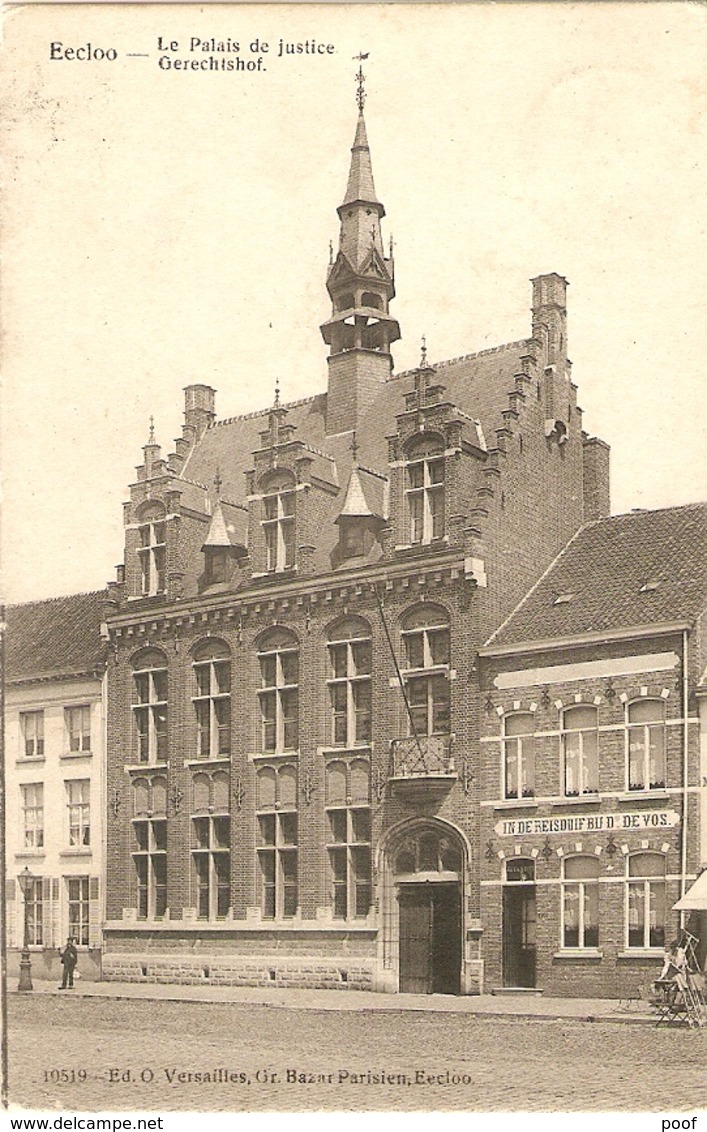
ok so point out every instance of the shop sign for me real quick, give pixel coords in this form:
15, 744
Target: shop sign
643, 821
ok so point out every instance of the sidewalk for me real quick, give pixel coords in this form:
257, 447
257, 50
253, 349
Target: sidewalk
506, 1005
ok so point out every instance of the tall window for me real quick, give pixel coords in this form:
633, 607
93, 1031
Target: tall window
152, 550
150, 707
150, 846
580, 750
646, 745
348, 817
212, 700
78, 900
580, 902
32, 727
211, 842
79, 812
279, 693
645, 900
519, 755
279, 523
32, 795
277, 840
426, 645
78, 728
35, 912
425, 489
350, 684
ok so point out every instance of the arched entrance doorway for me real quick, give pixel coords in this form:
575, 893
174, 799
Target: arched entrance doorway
425, 865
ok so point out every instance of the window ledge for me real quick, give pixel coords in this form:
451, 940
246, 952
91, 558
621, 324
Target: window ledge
516, 804
580, 800
592, 953
660, 795
328, 752
76, 755
30, 760
216, 760
145, 768
651, 953
31, 853
86, 851
268, 756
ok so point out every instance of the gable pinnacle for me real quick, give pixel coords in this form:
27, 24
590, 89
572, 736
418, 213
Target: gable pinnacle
151, 438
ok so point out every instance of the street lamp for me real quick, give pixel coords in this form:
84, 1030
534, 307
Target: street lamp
26, 881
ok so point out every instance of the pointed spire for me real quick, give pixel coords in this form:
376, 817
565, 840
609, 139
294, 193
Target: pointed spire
218, 531
355, 504
360, 185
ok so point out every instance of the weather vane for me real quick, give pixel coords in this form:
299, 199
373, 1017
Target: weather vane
360, 79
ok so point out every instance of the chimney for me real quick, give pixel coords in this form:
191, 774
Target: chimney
199, 408
595, 478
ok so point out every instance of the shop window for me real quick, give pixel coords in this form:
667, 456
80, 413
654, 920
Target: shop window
519, 755
212, 700
349, 684
646, 745
348, 818
579, 741
645, 900
580, 902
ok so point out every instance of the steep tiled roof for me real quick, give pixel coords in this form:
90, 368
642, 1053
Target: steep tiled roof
478, 384
57, 637
628, 570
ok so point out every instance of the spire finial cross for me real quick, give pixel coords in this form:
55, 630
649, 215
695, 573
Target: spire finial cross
152, 431
277, 391
423, 353
360, 79
218, 482
354, 447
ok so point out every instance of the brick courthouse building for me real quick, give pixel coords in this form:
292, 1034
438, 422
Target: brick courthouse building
297, 793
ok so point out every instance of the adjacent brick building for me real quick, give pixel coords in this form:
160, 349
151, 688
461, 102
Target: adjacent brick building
593, 746
297, 794
54, 764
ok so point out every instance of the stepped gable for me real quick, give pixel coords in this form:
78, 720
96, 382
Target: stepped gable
54, 638
637, 569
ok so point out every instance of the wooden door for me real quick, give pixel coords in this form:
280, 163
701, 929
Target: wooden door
430, 938
519, 936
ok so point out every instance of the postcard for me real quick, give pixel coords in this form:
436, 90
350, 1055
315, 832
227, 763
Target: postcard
354, 543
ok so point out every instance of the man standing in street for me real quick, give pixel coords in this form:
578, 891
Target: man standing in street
69, 959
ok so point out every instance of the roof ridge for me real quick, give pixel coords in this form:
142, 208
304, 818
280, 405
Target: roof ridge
542, 577
264, 412
463, 358
56, 597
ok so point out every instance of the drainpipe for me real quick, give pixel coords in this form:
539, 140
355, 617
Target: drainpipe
685, 738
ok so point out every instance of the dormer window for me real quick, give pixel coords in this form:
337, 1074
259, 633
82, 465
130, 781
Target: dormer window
279, 524
152, 551
425, 489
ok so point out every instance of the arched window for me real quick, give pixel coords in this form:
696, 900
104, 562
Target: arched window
150, 706
370, 299
348, 816
349, 683
212, 700
428, 851
645, 900
646, 744
152, 548
580, 902
519, 755
580, 754
276, 793
278, 522
425, 489
426, 645
278, 657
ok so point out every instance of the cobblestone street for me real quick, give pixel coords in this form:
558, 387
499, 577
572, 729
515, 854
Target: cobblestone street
93, 1055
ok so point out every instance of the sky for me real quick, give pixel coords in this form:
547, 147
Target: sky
165, 227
